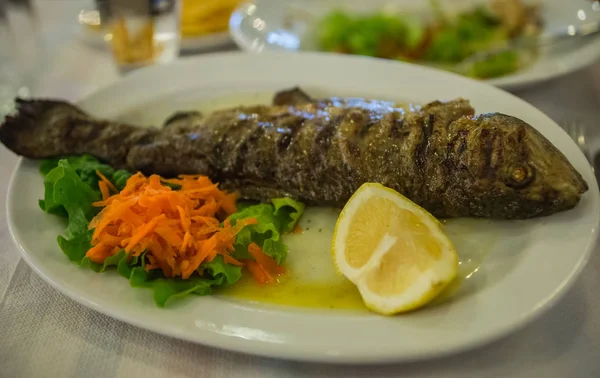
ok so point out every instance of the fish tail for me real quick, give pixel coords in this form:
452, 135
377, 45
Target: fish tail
23, 119
22, 128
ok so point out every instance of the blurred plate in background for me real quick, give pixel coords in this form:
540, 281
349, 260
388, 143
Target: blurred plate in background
288, 26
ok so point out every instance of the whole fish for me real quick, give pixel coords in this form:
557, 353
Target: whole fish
441, 155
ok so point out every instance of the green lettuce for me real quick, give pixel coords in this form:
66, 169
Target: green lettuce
218, 269
273, 219
70, 189
172, 288
288, 212
113, 260
65, 193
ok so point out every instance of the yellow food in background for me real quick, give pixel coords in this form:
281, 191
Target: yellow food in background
200, 17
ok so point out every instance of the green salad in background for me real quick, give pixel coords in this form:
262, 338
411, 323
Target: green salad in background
439, 39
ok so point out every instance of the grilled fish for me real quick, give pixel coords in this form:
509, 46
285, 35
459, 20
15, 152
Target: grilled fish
441, 155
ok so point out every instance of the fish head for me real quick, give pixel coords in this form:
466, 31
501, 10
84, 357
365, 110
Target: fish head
519, 168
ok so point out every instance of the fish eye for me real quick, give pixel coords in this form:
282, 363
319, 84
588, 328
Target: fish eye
520, 176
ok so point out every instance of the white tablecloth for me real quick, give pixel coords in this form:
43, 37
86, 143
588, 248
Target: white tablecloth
45, 334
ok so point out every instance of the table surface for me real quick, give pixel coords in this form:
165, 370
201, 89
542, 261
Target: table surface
45, 334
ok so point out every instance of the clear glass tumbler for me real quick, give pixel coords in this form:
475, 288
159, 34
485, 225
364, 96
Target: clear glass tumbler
142, 32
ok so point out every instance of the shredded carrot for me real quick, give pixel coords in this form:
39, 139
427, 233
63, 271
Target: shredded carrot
259, 272
265, 260
178, 229
267, 263
104, 190
99, 252
143, 231
106, 181
230, 260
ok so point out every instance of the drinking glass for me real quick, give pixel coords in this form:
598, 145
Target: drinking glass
141, 32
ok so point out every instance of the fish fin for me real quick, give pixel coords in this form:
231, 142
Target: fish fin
292, 96
178, 116
182, 122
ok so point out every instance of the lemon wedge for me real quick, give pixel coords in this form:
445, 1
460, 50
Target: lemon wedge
394, 251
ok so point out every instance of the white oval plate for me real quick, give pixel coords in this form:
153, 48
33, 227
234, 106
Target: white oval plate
531, 264
273, 25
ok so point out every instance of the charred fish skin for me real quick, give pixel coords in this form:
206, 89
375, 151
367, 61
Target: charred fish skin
441, 156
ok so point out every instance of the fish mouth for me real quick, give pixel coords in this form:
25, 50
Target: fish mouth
574, 189
583, 186
564, 190
567, 180
557, 179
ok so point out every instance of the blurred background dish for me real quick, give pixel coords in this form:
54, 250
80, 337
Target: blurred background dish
441, 34
205, 23
438, 37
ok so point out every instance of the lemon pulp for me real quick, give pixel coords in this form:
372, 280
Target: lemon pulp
394, 251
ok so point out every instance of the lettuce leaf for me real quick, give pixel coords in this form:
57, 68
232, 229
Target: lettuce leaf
272, 219
76, 246
288, 212
218, 269
84, 166
66, 194
126, 265
168, 289
119, 178
113, 260
267, 226
276, 249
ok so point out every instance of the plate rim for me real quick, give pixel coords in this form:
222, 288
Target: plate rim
223, 342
